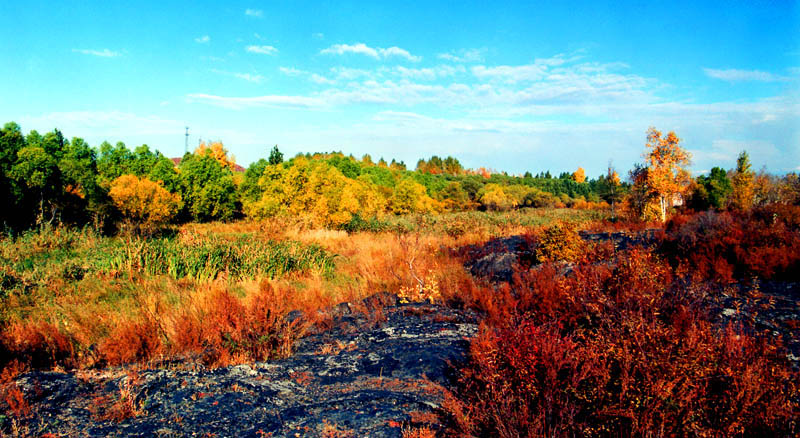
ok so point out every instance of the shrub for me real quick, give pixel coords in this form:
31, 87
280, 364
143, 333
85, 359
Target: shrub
764, 242
559, 242
36, 344
144, 203
131, 341
618, 350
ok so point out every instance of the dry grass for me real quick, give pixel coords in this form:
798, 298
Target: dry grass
63, 314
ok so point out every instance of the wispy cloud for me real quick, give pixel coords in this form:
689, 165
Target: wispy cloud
250, 78
256, 78
376, 52
431, 73
264, 50
291, 71
203, 39
257, 13
318, 35
249, 102
735, 75
105, 53
466, 55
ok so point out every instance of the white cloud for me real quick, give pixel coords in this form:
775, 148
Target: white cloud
432, 73
257, 13
258, 101
291, 71
244, 76
347, 73
105, 53
318, 35
250, 78
467, 55
600, 109
203, 39
363, 49
319, 79
264, 50
734, 75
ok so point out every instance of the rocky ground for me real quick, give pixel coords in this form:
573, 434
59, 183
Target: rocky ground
370, 375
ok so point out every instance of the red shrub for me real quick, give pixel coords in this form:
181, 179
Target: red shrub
36, 345
131, 341
227, 329
723, 246
618, 350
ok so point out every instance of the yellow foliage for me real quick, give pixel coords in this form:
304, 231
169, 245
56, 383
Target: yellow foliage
614, 178
495, 198
559, 242
316, 192
666, 173
217, 151
412, 197
579, 175
146, 204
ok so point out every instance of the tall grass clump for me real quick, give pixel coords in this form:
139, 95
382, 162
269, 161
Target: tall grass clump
212, 258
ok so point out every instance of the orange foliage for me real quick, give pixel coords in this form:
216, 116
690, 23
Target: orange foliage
131, 341
579, 175
217, 151
666, 173
36, 344
146, 204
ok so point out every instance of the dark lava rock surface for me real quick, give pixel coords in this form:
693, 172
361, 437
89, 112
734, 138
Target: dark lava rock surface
368, 375
495, 260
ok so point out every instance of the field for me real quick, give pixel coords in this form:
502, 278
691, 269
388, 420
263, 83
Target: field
75, 299
622, 341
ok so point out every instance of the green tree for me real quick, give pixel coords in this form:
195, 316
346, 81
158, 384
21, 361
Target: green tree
11, 141
711, 191
208, 190
249, 188
36, 171
275, 156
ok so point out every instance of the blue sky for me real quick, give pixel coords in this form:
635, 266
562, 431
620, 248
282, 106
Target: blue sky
514, 86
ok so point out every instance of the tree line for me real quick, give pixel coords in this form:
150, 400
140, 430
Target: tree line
50, 179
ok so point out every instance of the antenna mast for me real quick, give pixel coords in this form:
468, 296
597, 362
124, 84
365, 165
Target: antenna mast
186, 143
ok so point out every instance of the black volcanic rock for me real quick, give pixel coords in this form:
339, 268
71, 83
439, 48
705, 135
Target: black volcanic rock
363, 377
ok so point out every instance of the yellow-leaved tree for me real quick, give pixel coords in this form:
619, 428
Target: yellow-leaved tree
145, 205
316, 192
216, 150
411, 197
493, 197
667, 176
579, 175
743, 183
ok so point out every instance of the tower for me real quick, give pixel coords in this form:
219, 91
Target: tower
186, 143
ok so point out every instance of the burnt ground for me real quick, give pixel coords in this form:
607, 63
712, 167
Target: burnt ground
368, 375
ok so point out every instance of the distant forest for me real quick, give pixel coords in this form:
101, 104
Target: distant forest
48, 178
